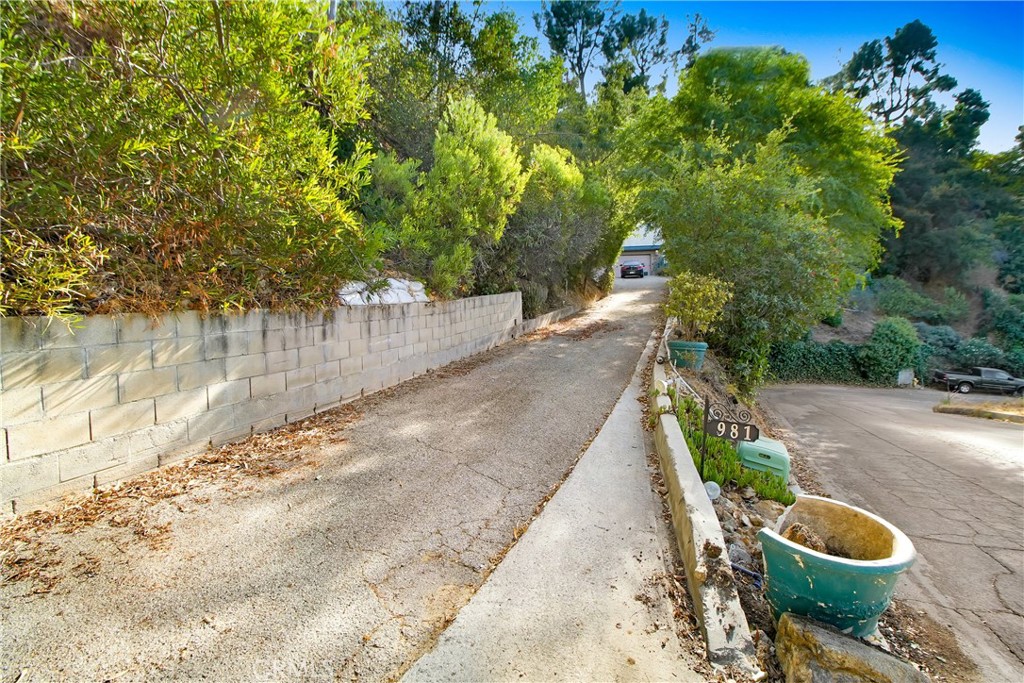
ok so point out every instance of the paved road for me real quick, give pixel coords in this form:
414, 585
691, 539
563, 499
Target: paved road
954, 484
348, 570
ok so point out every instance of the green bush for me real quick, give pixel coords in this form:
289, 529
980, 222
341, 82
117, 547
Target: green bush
1004, 318
178, 155
939, 337
834, 319
810, 361
895, 297
893, 346
978, 352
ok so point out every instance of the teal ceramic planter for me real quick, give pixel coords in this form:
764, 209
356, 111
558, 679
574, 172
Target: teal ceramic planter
687, 354
850, 594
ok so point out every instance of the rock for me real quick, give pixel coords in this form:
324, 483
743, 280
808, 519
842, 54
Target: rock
739, 555
805, 536
769, 509
811, 652
748, 493
745, 520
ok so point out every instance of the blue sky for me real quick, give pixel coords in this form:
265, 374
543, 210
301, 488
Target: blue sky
980, 43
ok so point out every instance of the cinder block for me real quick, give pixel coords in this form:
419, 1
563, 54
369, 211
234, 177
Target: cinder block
136, 466
297, 337
225, 345
372, 361
327, 371
239, 367
80, 395
136, 327
181, 404
93, 457
281, 361
20, 335
310, 355
264, 341
302, 377
358, 347
159, 438
178, 454
215, 421
336, 350
230, 435
120, 419
188, 324
21, 405
389, 357
195, 375
228, 393
300, 415
350, 366
406, 352
348, 330
268, 385
42, 367
178, 351
328, 392
135, 386
24, 476
29, 501
266, 424
47, 435
110, 360
420, 349
95, 330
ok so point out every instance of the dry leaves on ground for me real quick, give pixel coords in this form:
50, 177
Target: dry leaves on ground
28, 553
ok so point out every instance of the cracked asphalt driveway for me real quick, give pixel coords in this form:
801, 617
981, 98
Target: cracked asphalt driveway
348, 569
954, 484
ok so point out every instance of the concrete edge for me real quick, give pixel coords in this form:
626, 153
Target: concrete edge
534, 324
976, 412
709, 578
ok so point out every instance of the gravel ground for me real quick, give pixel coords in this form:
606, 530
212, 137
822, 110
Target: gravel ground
348, 563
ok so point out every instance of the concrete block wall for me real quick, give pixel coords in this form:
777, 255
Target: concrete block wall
117, 396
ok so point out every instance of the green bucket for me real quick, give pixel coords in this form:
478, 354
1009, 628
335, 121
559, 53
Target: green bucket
687, 354
849, 592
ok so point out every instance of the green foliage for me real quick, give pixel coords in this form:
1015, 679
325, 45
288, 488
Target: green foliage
834, 319
188, 144
721, 461
893, 346
898, 80
463, 201
47, 277
896, 297
1004, 318
695, 303
809, 361
940, 337
755, 219
978, 352
576, 31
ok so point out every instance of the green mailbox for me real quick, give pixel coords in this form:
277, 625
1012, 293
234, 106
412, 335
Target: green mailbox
766, 455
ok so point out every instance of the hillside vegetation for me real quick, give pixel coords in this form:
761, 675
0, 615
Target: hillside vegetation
213, 155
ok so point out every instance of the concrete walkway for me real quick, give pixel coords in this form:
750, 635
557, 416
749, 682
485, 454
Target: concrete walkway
578, 598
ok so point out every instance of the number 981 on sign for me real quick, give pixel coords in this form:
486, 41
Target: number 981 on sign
735, 431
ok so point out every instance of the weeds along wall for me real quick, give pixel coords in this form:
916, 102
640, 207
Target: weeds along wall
117, 396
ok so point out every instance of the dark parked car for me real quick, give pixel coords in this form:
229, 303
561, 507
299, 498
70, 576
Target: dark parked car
988, 379
632, 269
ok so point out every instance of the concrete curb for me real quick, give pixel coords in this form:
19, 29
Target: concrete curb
701, 544
976, 412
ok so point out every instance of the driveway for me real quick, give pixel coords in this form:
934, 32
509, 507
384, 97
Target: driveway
350, 567
954, 484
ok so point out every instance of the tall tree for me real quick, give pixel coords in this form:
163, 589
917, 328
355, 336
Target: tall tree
576, 31
895, 77
642, 41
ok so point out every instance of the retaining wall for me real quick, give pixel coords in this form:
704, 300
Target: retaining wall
118, 396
